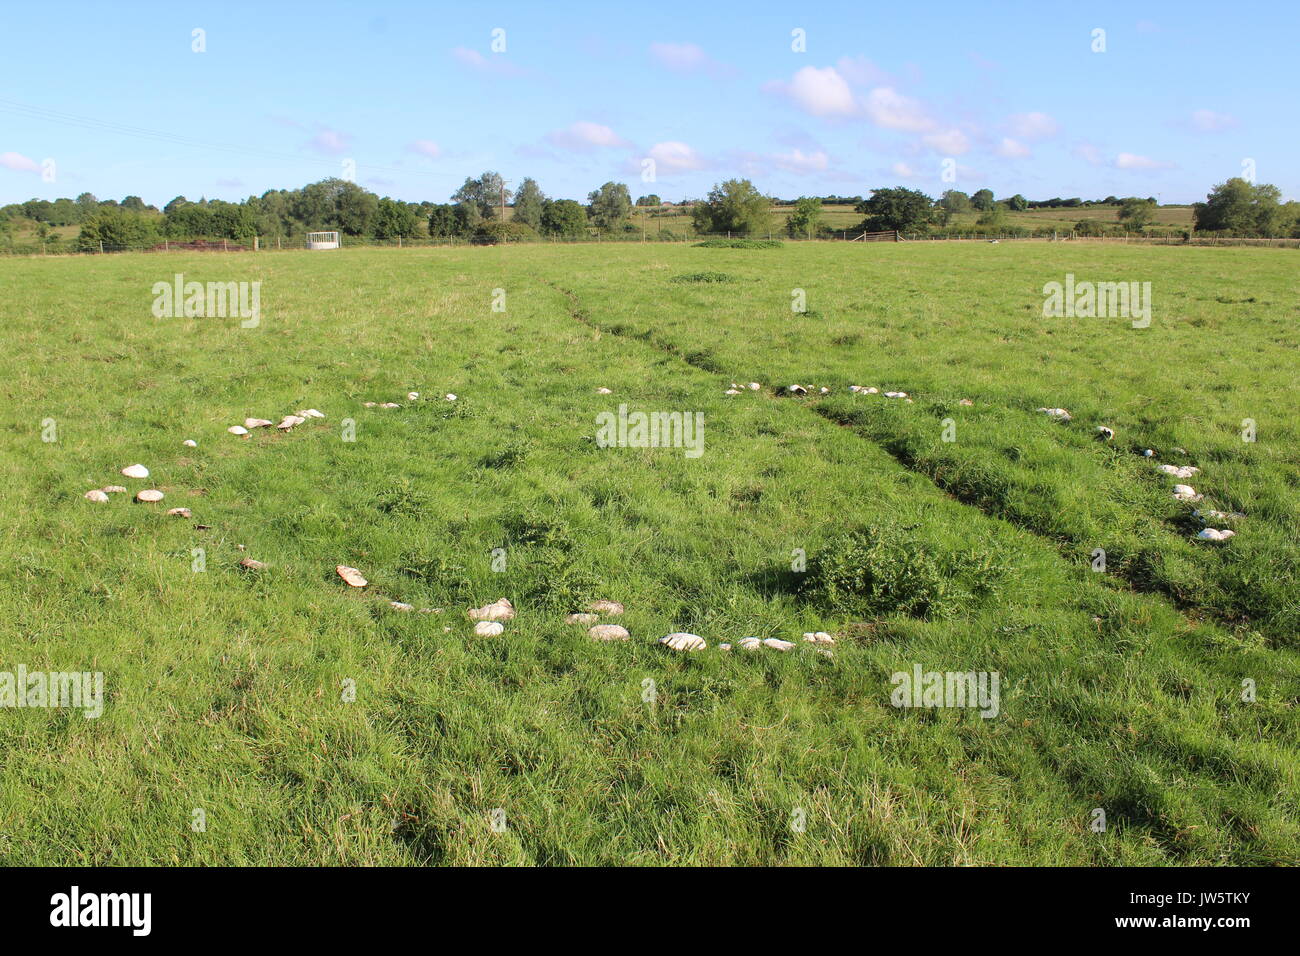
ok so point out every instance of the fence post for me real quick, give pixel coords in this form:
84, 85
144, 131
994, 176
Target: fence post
101, 247
223, 246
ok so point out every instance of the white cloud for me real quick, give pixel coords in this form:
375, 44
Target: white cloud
950, 142
890, 109
1208, 121
1032, 126
821, 91
426, 147
1134, 161
331, 142
860, 71
19, 162
673, 156
904, 171
682, 57
584, 137
497, 63
1012, 149
797, 161
1089, 154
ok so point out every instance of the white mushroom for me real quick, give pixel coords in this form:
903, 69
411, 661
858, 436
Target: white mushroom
582, 619
608, 632
399, 606
499, 610
114, 489
896, 395
257, 423
180, 512
1179, 471
149, 495
488, 628
190, 443
237, 430
1210, 534
450, 397
681, 641
732, 391
1058, 414
754, 386
796, 390
1186, 493
1105, 433
605, 607
412, 396
309, 413
749, 643
966, 401
96, 496
604, 391
777, 644
351, 575
136, 471
818, 637
251, 564
289, 421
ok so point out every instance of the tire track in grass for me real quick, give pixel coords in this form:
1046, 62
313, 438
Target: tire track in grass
895, 448
1144, 801
1137, 569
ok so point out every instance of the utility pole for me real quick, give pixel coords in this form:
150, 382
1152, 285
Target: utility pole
503, 199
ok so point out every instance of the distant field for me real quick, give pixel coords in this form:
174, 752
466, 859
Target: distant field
1122, 688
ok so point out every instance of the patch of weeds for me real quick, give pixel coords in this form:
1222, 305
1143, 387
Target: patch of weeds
401, 500
853, 338
435, 569
739, 244
704, 277
878, 571
531, 527
511, 455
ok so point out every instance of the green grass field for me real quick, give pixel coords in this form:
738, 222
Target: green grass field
226, 690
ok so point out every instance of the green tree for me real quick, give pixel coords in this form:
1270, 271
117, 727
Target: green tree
1239, 207
394, 219
955, 201
87, 206
805, 218
651, 200
529, 203
564, 218
611, 204
895, 208
486, 192
734, 206
1136, 213
1017, 203
117, 229
982, 200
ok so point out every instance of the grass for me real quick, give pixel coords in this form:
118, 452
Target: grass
225, 689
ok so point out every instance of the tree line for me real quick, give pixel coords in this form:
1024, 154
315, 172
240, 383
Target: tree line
477, 211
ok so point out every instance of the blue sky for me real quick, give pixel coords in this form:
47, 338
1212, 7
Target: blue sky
1005, 95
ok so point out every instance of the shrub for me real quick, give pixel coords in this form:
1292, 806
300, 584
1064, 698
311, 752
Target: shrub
879, 571
490, 233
